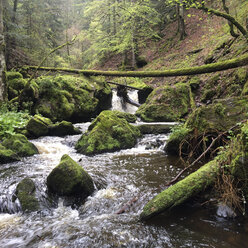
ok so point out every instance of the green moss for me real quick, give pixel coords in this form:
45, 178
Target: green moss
69, 178
25, 192
166, 104
7, 155
245, 89
129, 117
63, 128
194, 83
208, 120
179, 133
108, 132
20, 145
182, 191
38, 126
208, 95
219, 116
10, 75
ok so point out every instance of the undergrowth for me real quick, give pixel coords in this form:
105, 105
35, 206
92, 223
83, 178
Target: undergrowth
11, 119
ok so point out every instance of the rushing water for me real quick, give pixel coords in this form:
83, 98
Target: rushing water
120, 177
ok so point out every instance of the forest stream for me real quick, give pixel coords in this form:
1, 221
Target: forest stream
134, 175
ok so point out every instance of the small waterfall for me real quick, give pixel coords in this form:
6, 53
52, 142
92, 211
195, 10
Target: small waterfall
120, 105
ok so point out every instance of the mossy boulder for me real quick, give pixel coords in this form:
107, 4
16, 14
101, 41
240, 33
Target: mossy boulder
69, 179
169, 103
72, 98
25, 192
7, 155
20, 145
38, 126
63, 128
107, 133
129, 117
217, 117
60, 98
155, 128
15, 83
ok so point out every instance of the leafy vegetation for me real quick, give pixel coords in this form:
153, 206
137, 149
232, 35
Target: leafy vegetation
11, 120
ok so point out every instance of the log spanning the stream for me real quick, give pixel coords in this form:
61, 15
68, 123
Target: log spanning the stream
214, 67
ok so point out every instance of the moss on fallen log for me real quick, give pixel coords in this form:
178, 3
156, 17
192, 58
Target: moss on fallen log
181, 191
231, 161
220, 66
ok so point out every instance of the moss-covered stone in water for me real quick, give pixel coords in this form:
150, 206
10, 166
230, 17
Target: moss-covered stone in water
69, 178
63, 128
179, 133
108, 132
129, 117
25, 192
7, 155
20, 145
38, 126
155, 128
166, 104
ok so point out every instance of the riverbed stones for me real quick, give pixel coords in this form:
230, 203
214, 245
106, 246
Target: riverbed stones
108, 133
70, 179
166, 103
20, 145
25, 192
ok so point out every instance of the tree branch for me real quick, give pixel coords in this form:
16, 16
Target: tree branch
227, 17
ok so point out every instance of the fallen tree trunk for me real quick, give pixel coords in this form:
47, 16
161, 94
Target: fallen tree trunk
220, 66
182, 191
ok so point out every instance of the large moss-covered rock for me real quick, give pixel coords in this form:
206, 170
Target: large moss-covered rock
168, 103
69, 178
219, 116
20, 145
129, 117
63, 128
62, 97
15, 83
72, 98
108, 132
38, 126
7, 155
211, 119
25, 192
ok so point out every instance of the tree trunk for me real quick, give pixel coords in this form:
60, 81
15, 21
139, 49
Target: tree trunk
182, 191
214, 67
182, 22
227, 17
2, 58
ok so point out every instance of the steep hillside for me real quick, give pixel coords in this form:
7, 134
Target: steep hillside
208, 40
